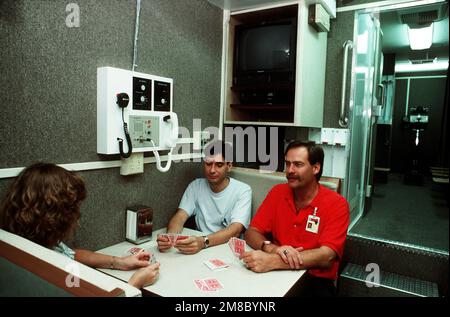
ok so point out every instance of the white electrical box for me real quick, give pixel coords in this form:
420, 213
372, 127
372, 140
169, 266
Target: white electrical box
148, 115
319, 18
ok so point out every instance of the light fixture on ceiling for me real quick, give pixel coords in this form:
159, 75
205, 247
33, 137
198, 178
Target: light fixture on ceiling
425, 66
420, 38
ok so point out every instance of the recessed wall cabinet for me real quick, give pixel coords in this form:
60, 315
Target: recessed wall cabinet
274, 67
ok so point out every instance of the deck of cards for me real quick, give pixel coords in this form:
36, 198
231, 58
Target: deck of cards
237, 246
174, 237
216, 264
208, 284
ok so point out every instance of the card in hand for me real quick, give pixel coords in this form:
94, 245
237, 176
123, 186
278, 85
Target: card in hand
152, 259
237, 246
174, 237
231, 243
170, 236
164, 235
181, 237
135, 250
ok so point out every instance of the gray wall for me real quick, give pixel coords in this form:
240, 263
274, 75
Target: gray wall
341, 31
48, 89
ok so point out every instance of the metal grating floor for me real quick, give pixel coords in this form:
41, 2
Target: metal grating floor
400, 246
393, 281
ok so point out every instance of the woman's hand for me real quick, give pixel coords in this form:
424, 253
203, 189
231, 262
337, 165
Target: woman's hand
132, 262
145, 276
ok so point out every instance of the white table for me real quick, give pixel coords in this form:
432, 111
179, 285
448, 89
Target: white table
178, 271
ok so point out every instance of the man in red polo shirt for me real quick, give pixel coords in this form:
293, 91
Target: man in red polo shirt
301, 224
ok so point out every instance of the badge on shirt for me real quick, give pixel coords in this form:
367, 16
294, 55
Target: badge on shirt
313, 224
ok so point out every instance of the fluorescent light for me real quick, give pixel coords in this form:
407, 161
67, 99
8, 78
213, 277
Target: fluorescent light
420, 38
411, 68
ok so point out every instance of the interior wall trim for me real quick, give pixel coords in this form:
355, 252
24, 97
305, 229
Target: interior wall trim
86, 166
388, 4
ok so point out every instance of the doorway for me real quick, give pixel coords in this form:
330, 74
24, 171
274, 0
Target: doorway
391, 157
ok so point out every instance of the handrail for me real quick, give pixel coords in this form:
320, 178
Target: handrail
343, 119
383, 93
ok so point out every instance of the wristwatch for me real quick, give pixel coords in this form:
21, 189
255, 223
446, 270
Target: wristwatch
266, 242
206, 242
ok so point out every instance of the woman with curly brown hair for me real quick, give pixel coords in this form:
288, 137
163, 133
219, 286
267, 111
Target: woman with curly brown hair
43, 205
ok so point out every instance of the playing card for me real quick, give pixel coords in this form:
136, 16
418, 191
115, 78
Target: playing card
213, 284
201, 284
208, 284
174, 237
152, 259
181, 237
215, 264
135, 250
231, 243
237, 246
166, 235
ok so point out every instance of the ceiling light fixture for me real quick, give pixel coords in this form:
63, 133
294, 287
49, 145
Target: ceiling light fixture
420, 38
408, 67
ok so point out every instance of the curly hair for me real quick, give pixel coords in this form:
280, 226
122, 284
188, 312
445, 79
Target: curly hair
43, 204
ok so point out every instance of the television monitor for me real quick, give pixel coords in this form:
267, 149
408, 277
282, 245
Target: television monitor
265, 53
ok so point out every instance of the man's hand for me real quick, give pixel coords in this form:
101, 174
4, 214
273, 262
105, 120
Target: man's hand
258, 261
164, 243
291, 256
190, 245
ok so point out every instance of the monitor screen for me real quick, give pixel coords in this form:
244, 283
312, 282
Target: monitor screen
264, 48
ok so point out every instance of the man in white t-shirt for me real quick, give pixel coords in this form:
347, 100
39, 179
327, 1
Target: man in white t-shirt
221, 205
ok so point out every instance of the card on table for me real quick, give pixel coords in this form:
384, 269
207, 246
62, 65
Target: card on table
201, 284
213, 284
216, 264
208, 284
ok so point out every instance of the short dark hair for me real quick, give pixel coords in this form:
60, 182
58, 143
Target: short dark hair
315, 153
43, 204
220, 147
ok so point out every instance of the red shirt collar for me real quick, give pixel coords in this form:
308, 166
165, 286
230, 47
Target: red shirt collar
290, 197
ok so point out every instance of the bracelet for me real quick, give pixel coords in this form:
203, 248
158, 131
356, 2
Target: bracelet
205, 242
111, 266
